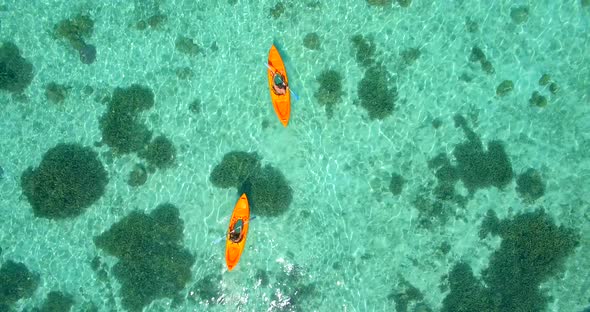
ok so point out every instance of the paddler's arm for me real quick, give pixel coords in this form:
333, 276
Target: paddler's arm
225, 236
232, 231
286, 83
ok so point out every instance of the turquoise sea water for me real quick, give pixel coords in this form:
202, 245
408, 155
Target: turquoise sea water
346, 241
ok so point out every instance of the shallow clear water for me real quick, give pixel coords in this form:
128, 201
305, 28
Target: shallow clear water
346, 242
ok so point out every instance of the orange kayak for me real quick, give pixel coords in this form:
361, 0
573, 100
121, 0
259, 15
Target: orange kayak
280, 102
237, 232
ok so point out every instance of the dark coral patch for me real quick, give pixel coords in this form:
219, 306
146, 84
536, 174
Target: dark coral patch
123, 133
154, 21
16, 282
278, 10
207, 290
404, 3
234, 169
471, 25
478, 168
56, 93
504, 88
375, 94
16, 73
75, 30
68, 180
330, 90
267, 189
467, 292
405, 296
444, 171
537, 99
396, 184
152, 263
530, 185
134, 99
160, 153
432, 212
268, 192
364, 50
138, 176
312, 41
410, 56
519, 14
475, 166
477, 55
121, 127
533, 249
195, 106
57, 302
87, 54
379, 3
187, 46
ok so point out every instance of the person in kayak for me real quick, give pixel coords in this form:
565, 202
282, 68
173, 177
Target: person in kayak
278, 84
235, 235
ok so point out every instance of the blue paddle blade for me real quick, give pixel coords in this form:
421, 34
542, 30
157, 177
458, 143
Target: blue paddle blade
295, 95
217, 241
